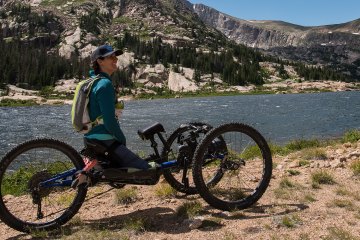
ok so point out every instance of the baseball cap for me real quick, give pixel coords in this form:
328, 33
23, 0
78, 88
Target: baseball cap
104, 51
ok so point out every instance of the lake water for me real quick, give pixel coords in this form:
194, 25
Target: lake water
280, 118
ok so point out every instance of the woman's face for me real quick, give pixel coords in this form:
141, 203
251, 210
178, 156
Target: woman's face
108, 64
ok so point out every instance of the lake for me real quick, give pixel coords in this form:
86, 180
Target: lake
280, 118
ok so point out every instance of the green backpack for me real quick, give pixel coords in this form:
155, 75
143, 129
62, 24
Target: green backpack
79, 112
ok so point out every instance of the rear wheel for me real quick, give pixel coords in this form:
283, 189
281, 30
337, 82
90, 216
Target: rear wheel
234, 176
24, 204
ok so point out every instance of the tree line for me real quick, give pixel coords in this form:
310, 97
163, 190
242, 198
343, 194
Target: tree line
35, 67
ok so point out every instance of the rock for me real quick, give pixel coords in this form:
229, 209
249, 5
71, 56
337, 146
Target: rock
355, 154
159, 69
225, 214
294, 164
347, 145
279, 167
125, 60
342, 159
179, 83
74, 38
195, 223
86, 51
340, 151
66, 50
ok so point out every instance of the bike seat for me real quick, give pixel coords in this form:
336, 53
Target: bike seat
148, 132
96, 146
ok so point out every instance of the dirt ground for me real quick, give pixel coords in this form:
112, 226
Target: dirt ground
293, 207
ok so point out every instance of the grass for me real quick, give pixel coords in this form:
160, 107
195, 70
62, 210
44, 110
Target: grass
189, 209
304, 162
355, 167
343, 192
211, 222
336, 233
125, 195
136, 224
284, 191
291, 221
6, 102
351, 136
286, 183
293, 172
322, 177
164, 190
16, 183
309, 198
314, 154
343, 203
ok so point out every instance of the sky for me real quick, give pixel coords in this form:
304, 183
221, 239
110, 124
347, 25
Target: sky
300, 12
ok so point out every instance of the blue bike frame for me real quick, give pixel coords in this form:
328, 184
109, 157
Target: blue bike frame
61, 180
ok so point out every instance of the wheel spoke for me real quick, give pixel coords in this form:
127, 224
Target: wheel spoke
28, 165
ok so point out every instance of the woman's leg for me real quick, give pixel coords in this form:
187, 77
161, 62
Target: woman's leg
124, 157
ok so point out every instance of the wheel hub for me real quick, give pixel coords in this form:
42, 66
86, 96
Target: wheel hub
36, 191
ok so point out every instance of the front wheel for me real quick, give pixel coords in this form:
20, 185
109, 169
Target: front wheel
26, 204
234, 176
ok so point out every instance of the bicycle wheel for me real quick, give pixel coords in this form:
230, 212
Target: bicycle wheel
182, 149
234, 176
24, 204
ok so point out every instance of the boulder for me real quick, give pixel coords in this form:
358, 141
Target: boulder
177, 82
86, 51
125, 60
66, 50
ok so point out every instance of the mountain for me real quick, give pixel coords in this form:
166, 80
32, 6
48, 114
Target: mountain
333, 45
76, 23
169, 44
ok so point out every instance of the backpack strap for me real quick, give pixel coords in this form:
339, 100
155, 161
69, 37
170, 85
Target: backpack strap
99, 120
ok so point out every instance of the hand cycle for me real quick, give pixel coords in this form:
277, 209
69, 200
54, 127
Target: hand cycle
231, 168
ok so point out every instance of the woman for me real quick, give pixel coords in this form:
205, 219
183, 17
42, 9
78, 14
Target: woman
102, 105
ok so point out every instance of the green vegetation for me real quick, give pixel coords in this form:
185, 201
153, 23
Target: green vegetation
136, 224
337, 233
164, 190
125, 195
189, 209
355, 167
16, 182
284, 191
293, 172
352, 136
309, 198
322, 177
314, 154
291, 221
303, 163
93, 21
6, 102
343, 203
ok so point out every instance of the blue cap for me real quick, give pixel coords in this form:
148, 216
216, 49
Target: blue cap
104, 51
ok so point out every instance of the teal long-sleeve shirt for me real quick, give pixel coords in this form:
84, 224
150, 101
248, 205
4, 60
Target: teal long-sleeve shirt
102, 103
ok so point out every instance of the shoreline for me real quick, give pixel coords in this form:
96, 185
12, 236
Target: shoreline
22, 97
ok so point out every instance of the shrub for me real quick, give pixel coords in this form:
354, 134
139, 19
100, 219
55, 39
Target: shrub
322, 177
164, 190
297, 145
189, 209
355, 167
314, 154
352, 136
125, 195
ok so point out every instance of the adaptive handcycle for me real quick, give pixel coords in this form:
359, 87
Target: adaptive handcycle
229, 166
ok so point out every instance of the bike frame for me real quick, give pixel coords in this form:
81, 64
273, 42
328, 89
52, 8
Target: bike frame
61, 180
